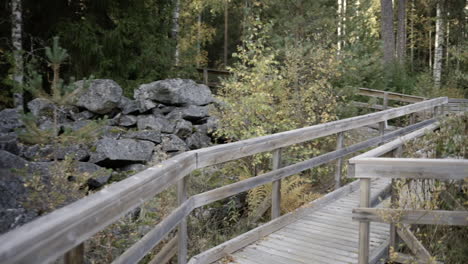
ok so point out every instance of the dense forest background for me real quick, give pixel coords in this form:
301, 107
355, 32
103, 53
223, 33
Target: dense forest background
409, 46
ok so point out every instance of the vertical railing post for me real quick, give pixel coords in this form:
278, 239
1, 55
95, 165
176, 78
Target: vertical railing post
276, 188
364, 226
205, 76
393, 198
382, 128
182, 232
75, 255
385, 107
339, 162
385, 101
435, 111
412, 118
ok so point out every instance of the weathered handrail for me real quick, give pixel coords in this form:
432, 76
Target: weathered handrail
369, 165
139, 249
52, 235
361, 91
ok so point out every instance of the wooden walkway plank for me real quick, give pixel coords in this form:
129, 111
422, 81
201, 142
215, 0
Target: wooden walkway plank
321, 234
323, 248
326, 235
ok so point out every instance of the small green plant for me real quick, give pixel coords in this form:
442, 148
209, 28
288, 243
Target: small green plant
63, 185
60, 94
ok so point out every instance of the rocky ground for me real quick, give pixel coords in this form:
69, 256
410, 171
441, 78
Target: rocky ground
167, 117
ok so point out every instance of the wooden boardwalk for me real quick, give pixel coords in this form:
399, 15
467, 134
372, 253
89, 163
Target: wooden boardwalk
327, 235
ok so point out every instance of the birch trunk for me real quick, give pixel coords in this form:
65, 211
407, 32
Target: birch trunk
401, 35
388, 36
340, 25
447, 45
175, 29
17, 41
438, 46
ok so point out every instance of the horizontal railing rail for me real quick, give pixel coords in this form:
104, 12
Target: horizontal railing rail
52, 235
360, 91
370, 165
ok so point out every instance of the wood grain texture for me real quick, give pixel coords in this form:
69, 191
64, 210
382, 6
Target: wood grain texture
443, 169
50, 236
339, 161
391, 96
414, 244
166, 253
276, 187
76, 255
308, 234
424, 217
222, 153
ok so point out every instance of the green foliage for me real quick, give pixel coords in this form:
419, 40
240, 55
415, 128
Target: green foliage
445, 243
127, 41
60, 94
32, 134
63, 186
56, 55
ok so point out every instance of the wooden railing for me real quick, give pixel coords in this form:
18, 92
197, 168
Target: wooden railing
369, 165
64, 230
210, 77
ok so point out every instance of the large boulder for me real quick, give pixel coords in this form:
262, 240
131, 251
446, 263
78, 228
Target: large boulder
149, 135
157, 123
127, 105
41, 107
12, 212
11, 161
122, 150
49, 152
198, 140
10, 119
183, 128
179, 92
172, 143
127, 120
192, 113
102, 96
9, 142
99, 176
84, 115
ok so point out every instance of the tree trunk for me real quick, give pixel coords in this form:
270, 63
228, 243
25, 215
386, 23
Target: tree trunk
430, 48
17, 41
447, 45
340, 25
388, 36
175, 30
199, 21
412, 35
438, 46
343, 17
401, 42
225, 32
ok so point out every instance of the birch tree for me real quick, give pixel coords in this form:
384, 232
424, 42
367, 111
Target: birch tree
438, 45
16, 38
175, 29
340, 24
388, 36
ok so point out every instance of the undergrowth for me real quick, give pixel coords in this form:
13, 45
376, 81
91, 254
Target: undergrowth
445, 243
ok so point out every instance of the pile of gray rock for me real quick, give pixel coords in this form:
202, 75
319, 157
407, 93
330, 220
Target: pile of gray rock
165, 118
